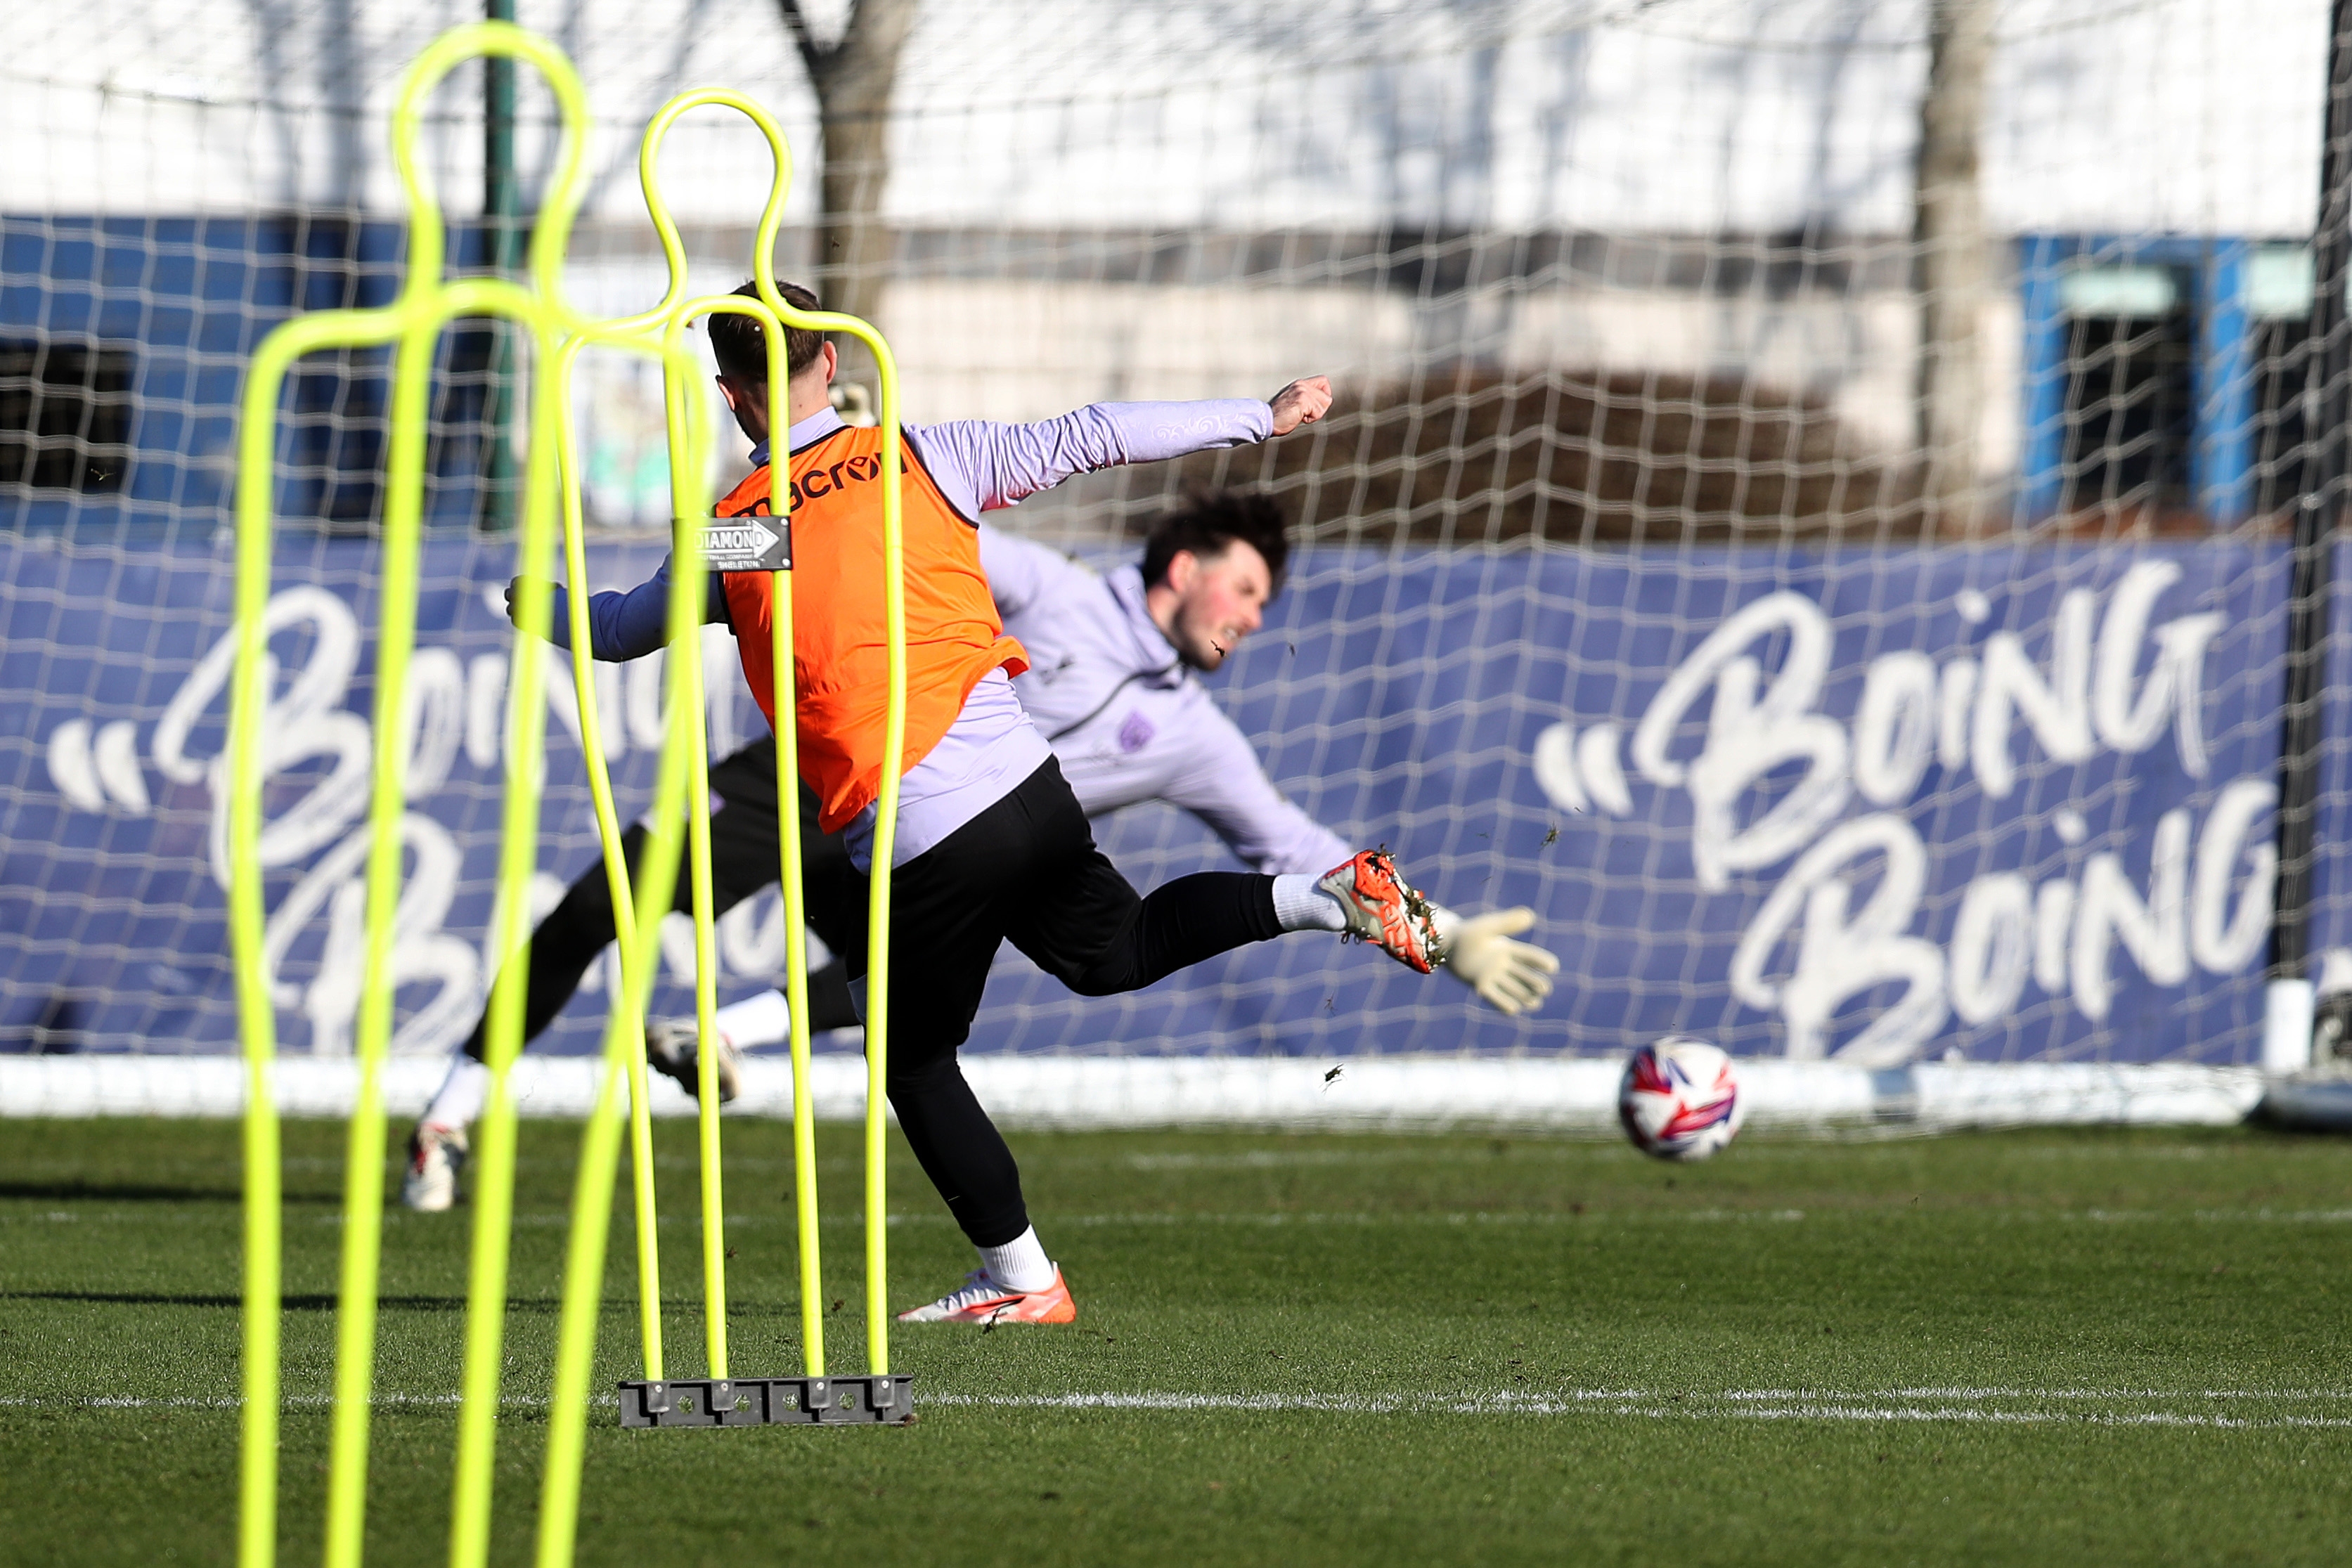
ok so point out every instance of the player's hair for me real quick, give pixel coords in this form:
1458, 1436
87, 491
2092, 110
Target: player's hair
741, 348
1209, 520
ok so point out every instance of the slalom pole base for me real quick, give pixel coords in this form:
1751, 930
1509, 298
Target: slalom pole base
885, 1401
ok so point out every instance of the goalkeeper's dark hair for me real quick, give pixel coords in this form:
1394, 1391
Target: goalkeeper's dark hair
1209, 520
741, 345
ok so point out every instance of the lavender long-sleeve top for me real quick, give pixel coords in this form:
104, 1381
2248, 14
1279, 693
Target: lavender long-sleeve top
979, 465
1128, 721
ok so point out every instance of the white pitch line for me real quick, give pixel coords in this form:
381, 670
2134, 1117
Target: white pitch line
2202, 1216
1637, 1404
1343, 1403
2285, 1394
1865, 1413
104, 1211
1632, 1402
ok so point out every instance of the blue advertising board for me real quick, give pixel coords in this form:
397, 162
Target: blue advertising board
1998, 803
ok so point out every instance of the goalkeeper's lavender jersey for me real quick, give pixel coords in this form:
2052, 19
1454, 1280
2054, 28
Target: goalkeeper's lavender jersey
1128, 721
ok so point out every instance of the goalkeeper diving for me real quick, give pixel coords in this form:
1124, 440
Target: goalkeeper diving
1114, 687
1083, 698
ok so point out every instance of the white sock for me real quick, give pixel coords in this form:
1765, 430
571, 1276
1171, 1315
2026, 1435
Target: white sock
764, 1019
460, 1099
1300, 905
1020, 1264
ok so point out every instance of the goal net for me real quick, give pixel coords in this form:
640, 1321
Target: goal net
1832, 567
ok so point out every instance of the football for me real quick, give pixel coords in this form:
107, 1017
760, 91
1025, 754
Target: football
1679, 1099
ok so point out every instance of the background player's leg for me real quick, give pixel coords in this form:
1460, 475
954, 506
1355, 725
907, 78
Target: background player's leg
570, 939
745, 850
832, 888
575, 932
580, 928
831, 892
835, 895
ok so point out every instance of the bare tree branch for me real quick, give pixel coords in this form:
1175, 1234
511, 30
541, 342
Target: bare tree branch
853, 78
811, 55
1954, 260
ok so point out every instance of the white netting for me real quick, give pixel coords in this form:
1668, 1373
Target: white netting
1627, 301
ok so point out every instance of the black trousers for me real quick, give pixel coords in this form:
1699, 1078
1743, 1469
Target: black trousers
1025, 871
743, 860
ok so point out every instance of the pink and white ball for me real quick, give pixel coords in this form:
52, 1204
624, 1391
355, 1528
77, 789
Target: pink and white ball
1679, 1100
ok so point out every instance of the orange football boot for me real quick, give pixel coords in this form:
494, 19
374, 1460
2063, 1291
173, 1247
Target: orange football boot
983, 1300
1381, 908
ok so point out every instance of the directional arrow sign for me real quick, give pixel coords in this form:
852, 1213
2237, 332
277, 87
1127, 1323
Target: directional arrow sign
747, 544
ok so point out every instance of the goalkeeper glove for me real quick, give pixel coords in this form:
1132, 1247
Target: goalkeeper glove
1513, 978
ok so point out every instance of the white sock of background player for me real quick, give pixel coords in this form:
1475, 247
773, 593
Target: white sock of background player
763, 1020
460, 1099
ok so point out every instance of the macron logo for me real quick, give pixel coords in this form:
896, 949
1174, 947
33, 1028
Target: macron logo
820, 482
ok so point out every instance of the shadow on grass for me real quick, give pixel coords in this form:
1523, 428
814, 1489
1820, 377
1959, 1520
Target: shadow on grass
314, 1301
324, 1301
138, 1192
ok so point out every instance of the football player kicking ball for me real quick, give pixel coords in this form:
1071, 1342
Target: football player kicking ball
1114, 685
990, 843
1118, 695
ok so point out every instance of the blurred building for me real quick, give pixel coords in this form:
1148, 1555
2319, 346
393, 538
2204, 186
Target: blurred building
1093, 200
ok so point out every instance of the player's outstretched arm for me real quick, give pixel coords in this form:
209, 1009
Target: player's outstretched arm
620, 626
1300, 403
982, 464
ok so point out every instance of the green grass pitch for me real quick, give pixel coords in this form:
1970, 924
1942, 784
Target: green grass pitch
2023, 1347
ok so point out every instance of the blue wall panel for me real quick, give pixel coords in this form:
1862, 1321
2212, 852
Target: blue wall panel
2005, 802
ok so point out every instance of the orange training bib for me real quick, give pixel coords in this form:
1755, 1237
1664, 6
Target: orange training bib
840, 659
